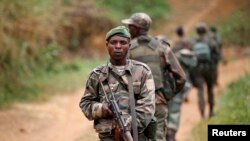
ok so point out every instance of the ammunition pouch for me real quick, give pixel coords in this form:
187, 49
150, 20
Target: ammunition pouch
150, 130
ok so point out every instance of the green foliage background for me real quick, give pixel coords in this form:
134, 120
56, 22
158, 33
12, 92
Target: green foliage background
236, 29
233, 107
117, 10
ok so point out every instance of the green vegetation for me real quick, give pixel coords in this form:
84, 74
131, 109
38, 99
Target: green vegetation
65, 77
233, 107
236, 30
33, 43
118, 9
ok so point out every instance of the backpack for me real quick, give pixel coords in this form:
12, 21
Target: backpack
187, 58
202, 52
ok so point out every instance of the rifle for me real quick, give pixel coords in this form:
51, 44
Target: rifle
126, 135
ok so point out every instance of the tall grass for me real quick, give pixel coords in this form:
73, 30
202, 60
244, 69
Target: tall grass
233, 108
25, 46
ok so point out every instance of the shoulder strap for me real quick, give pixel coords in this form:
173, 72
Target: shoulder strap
132, 107
131, 102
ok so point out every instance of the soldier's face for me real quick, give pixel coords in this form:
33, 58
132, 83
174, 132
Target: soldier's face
133, 30
118, 48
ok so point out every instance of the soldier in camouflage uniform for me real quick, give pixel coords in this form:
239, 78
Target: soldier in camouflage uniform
114, 78
204, 72
182, 49
214, 35
152, 52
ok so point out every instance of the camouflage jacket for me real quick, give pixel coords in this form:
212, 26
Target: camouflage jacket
160, 58
144, 93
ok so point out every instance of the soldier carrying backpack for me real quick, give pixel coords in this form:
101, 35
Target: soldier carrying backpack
160, 59
204, 72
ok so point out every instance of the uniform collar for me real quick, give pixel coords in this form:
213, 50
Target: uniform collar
110, 67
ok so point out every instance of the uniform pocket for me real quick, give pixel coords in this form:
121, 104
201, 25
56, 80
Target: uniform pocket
137, 87
103, 125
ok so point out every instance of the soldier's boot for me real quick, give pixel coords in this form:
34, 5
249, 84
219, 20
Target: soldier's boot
170, 135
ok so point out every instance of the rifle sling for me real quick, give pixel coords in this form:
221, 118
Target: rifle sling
132, 107
131, 102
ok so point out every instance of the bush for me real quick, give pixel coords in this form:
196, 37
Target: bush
236, 30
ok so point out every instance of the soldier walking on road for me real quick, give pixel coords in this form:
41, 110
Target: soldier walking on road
217, 41
152, 52
118, 83
182, 49
204, 72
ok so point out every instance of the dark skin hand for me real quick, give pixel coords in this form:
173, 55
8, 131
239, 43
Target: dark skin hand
106, 112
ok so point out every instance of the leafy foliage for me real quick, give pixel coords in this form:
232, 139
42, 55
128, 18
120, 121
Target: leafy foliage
236, 30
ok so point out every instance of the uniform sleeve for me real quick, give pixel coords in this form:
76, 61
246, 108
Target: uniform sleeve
174, 67
145, 104
89, 103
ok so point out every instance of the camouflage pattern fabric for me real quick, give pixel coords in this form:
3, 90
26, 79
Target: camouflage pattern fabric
184, 55
144, 91
161, 115
148, 51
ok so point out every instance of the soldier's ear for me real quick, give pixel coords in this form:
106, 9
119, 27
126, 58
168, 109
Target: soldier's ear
107, 43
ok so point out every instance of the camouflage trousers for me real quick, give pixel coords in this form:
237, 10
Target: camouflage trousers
205, 77
174, 108
161, 112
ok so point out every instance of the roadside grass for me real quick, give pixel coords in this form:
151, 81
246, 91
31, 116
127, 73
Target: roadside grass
63, 79
233, 107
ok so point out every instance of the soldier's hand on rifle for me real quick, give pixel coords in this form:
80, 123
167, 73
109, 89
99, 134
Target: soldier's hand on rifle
106, 112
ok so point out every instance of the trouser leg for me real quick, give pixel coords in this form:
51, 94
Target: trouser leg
161, 112
201, 100
174, 107
210, 99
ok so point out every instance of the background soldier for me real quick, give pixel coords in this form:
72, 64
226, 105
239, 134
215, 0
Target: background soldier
111, 81
156, 55
182, 49
217, 41
204, 72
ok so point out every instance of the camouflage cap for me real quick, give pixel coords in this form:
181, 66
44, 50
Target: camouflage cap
121, 30
141, 20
